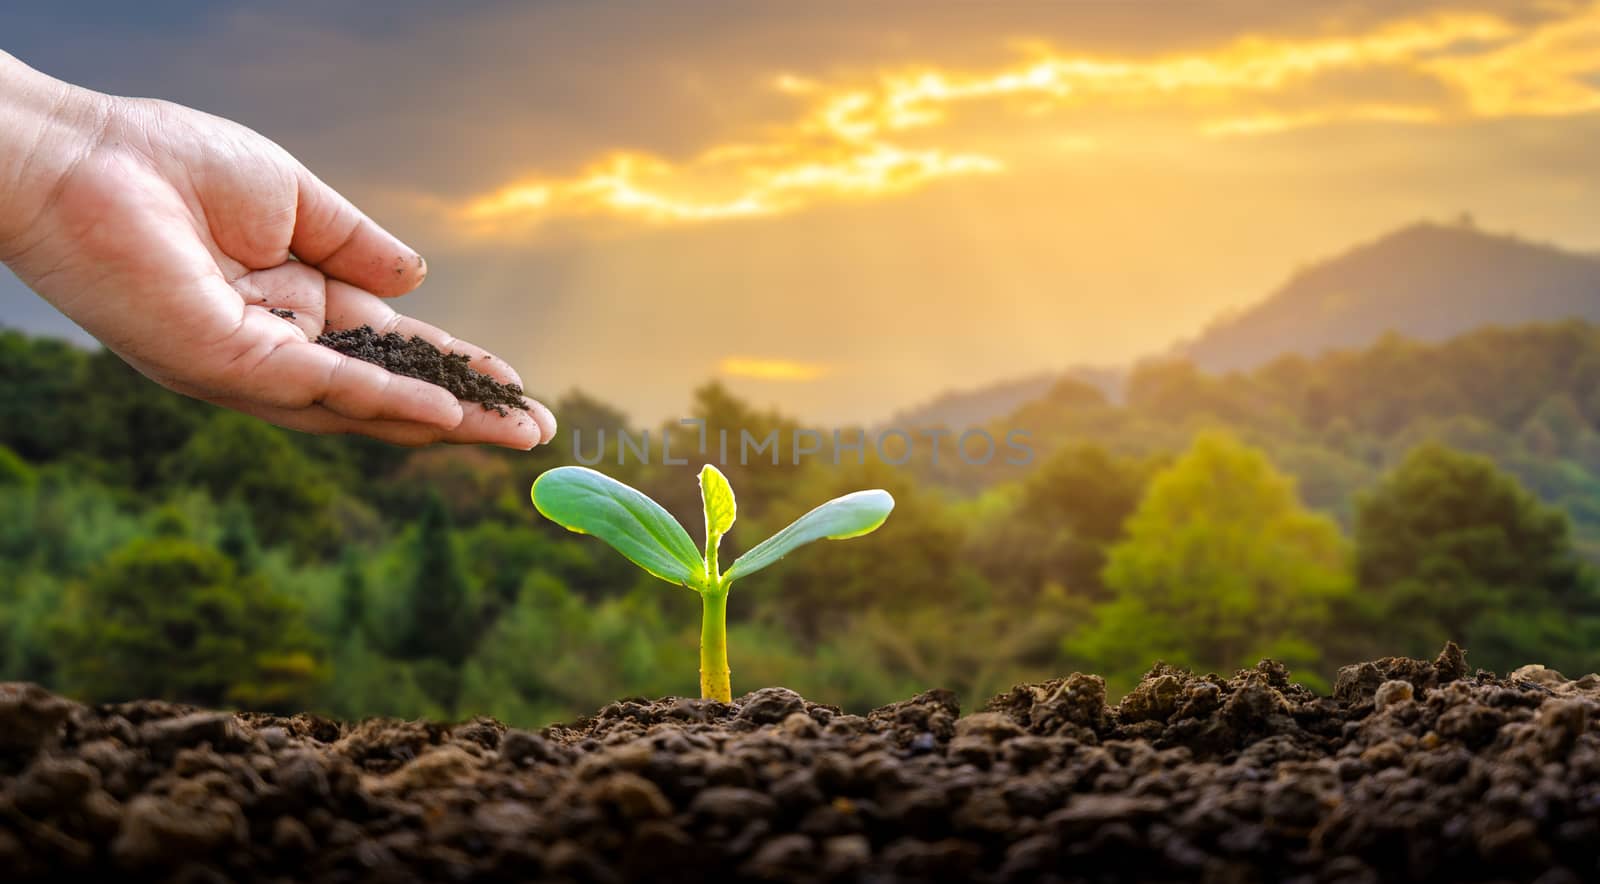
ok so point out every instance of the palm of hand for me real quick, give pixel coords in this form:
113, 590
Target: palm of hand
170, 238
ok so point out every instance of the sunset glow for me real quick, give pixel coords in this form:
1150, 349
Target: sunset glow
894, 131
770, 369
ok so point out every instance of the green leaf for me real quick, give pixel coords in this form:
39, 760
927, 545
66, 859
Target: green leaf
587, 502
719, 504
839, 519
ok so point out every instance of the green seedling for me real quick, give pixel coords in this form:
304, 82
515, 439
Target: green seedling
582, 500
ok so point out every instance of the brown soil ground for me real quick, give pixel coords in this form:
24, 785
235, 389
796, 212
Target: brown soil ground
1412, 770
416, 358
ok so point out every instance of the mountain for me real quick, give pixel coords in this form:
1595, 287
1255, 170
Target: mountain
960, 409
1427, 282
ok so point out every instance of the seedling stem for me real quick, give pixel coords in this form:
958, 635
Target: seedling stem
588, 502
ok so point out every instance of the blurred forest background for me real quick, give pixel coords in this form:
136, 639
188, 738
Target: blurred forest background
1319, 509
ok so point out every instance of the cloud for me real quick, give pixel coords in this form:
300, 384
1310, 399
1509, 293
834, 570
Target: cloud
771, 369
643, 187
894, 131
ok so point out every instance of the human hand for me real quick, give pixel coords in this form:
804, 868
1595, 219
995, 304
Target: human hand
168, 234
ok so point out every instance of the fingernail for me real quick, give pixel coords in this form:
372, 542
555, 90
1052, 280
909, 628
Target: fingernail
528, 434
544, 420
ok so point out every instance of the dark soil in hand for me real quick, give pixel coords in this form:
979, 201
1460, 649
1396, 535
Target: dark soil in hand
1412, 770
416, 358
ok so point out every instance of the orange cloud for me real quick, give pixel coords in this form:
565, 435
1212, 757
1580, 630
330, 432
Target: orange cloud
855, 141
771, 369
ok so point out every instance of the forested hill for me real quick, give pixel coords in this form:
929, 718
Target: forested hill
977, 406
1528, 397
1428, 282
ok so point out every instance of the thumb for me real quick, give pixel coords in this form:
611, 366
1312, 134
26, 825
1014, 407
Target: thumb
335, 237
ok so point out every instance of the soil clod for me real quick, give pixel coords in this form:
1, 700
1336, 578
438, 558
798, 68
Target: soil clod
414, 357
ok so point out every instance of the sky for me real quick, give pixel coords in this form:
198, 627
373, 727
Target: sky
843, 209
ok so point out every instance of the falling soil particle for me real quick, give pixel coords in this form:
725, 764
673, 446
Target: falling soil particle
414, 357
1188, 778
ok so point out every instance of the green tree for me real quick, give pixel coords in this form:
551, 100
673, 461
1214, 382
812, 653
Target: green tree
440, 617
126, 425
1222, 565
28, 602
61, 524
351, 613
39, 378
1451, 547
14, 471
500, 555
468, 479
555, 655
1086, 490
289, 495
169, 520
169, 618
367, 683
1067, 513
238, 541
914, 561
1556, 429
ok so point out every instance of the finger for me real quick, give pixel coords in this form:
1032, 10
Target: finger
334, 236
544, 418
480, 428
350, 307
516, 428
297, 374
295, 291
317, 419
